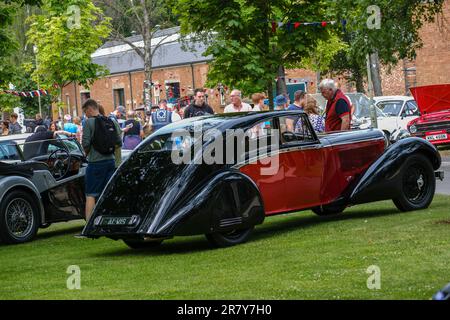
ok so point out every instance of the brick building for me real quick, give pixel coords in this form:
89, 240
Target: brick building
177, 72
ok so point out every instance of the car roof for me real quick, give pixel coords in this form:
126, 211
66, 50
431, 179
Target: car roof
393, 98
225, 121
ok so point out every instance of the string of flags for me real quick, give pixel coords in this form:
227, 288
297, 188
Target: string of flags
291, 26
30, 94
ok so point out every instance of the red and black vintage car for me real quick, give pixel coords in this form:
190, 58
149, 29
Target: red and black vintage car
290, 168
434, 122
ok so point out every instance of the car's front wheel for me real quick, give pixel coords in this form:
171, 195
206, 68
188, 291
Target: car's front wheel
418, 184
19, 218
140, 244
228, 239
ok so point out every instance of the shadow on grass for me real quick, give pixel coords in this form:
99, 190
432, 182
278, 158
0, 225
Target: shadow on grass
60, 232
270, 229
71, 231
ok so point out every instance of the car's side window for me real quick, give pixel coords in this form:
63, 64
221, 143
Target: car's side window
261, 129
295, 130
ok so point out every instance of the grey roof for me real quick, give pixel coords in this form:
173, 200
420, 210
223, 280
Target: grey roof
159, 33
169, 54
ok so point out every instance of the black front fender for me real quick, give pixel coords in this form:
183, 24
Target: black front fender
382, 180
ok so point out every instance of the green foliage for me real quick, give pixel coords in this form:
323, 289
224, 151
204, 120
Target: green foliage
246, 52
65, 41
322, 57
396, 38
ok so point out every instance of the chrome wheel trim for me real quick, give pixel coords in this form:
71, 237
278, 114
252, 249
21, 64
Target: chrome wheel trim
19, 218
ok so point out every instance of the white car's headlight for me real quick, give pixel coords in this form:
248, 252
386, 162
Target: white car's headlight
413, 129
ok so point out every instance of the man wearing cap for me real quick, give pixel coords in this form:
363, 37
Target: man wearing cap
119, 116
338, 112
236, 103
280, 102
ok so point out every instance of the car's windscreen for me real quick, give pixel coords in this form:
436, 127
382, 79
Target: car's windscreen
41, 148
391, 108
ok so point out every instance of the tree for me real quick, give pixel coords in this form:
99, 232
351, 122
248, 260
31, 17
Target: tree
249, 51
147, 17
322, 58
382, 30
66, 35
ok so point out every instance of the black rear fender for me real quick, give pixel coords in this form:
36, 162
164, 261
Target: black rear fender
228, 201
382, 180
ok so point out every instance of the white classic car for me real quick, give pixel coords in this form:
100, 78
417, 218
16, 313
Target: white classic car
398, 111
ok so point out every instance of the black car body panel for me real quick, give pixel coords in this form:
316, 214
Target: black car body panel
382, 180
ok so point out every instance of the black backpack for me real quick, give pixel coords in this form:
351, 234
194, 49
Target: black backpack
105, 135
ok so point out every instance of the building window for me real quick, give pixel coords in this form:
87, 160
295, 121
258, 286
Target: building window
173, 92
119, 97
85, 96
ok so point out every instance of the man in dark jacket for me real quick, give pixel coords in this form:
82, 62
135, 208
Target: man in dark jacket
199, 106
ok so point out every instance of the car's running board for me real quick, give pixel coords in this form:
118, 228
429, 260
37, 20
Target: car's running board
439, 175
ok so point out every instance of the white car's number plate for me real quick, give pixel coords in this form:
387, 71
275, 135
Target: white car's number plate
437, 137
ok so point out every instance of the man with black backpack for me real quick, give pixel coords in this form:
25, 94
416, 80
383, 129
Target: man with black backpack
100, 137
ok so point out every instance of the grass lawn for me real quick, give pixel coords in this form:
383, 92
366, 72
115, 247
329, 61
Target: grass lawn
297, 256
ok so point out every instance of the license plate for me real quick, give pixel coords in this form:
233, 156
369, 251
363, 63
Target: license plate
437, 137
116, 221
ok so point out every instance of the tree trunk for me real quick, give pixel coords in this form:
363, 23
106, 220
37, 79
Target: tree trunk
359, 81
281, 81
270, 91
375, 72
147, 37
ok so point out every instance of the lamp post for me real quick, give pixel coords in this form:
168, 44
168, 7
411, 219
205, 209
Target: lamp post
35, 50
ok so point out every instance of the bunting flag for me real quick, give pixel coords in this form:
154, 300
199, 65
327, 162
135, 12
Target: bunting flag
291, 26
26, 94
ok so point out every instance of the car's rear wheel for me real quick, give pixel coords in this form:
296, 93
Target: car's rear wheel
329, 210
141, 244
228, 239
19, 217
418, 184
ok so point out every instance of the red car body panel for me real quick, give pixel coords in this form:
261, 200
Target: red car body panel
434, 122
313, 176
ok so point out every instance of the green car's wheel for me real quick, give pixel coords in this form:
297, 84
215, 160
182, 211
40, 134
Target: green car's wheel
19, 217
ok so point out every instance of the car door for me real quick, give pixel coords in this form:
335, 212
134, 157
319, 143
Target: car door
65, 198
303, 160
263, 165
